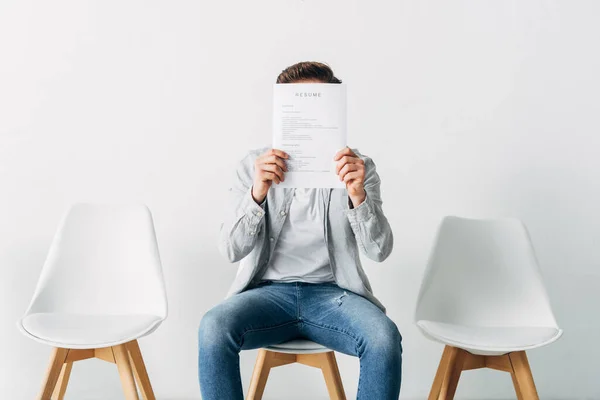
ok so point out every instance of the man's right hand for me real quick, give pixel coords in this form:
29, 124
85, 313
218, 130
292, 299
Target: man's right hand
268, 168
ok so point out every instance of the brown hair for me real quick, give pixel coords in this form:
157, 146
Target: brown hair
307, 70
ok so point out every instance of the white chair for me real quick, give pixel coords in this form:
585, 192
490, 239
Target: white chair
483, 297
100, 289
296, 351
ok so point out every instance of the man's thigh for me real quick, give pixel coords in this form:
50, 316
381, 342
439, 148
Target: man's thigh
255, 318
344, 321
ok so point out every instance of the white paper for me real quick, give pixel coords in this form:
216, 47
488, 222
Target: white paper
309, 123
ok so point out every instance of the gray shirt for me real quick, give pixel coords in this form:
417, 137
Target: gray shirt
300, 253
246, 229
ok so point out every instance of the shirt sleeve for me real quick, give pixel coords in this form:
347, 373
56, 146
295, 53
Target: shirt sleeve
369, 224
242, 219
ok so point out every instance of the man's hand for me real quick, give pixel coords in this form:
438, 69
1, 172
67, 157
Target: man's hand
351, 170
268, 168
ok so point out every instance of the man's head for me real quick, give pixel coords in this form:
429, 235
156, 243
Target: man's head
308, 72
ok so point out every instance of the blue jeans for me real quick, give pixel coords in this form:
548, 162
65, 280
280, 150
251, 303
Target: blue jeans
274, 312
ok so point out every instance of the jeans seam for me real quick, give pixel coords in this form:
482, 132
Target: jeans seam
357, 345
335, 330
263, 329
360, 368
239, 377
297, 301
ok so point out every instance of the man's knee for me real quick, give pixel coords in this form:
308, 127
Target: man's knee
214, 328
386, 339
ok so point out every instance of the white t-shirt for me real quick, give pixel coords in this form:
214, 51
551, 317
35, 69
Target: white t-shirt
300, 253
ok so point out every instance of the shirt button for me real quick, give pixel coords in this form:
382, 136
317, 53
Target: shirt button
271, 239
282, 213
252, 232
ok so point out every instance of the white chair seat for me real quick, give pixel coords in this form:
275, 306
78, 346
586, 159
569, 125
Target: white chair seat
489, 340
78, 331
298, 346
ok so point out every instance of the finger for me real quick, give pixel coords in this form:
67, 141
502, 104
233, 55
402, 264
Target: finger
341, 163
347, 168
350, 160
278, 153
346, 160
352, 176
346, 151
353, 168
272, 159
274, 169
270, 176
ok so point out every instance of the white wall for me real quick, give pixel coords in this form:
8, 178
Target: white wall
469, 108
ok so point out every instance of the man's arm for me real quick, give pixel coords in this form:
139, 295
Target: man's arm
244, 217
370, 226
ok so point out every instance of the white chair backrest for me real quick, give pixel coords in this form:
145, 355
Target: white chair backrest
104, 260
484, 273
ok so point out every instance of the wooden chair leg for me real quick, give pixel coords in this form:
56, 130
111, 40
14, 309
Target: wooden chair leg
260, 374
331, 373
125, 372
57, 359
63, 381
456, 358
436, 387
516, 385
523, 379
139, 370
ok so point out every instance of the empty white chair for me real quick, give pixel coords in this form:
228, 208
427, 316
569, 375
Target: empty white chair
483, 297
297, 351
100, 289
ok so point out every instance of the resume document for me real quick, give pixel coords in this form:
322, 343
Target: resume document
309, 124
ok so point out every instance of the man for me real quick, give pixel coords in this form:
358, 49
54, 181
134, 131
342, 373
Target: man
300, 274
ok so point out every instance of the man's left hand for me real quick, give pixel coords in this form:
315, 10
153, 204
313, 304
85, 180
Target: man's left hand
351, 170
